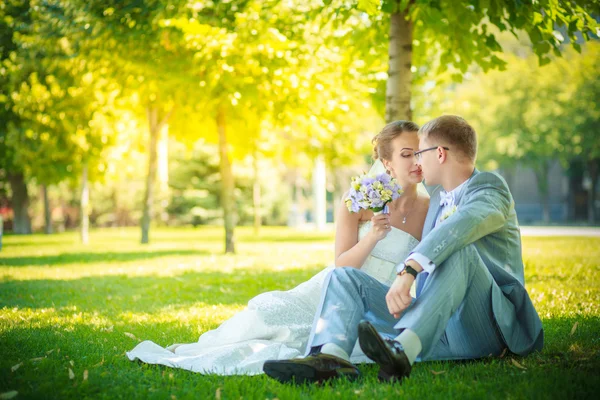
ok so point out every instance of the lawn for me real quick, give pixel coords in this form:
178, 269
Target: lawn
69, 312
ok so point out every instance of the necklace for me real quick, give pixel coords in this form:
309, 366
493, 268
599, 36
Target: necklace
409, 211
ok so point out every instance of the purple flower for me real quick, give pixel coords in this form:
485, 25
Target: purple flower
366, 195
384, 178
367, 181
373, 194
376, 203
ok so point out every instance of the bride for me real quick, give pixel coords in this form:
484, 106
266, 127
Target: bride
277, 324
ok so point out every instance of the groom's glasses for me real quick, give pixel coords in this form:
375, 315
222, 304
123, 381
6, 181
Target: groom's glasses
419, 154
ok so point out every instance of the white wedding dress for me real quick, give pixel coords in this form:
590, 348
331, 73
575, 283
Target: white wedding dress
275, 325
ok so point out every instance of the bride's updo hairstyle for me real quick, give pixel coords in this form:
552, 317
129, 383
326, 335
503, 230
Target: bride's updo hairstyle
382, 142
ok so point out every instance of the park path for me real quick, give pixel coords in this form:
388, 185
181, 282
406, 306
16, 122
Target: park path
560, 231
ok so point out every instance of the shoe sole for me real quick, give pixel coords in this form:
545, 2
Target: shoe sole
375, 348
298, 373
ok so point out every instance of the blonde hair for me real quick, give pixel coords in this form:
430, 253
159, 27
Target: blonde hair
382, 142
454, 132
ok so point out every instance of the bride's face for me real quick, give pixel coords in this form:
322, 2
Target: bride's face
403, 166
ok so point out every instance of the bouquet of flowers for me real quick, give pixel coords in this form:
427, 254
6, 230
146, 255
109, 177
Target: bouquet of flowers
372, 192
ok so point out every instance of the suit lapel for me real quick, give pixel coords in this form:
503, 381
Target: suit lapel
432, 213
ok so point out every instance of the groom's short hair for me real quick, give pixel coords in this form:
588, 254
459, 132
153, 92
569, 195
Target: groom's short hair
454, 132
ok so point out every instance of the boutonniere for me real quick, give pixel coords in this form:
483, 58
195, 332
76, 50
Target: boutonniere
448, 213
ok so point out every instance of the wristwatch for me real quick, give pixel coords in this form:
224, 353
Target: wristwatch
406, 269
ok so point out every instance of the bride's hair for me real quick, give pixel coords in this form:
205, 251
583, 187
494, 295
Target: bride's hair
382, 142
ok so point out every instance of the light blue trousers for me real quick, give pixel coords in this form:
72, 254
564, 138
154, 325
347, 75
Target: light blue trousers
452, 314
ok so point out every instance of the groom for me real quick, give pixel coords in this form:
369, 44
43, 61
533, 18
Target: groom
470, 296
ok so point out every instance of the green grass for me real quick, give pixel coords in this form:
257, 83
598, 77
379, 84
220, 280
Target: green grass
67, 306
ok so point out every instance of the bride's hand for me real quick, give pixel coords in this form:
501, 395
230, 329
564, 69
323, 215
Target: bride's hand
380, 226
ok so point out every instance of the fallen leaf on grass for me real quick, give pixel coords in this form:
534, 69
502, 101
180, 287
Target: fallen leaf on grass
8, 395
16, 367
438, 372
71, 374
517, 364
49, 352
130, 335
574, 328
100, 363
37, 359
504, 352
85, 375
72, 363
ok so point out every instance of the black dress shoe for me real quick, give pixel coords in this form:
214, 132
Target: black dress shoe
388, 353
315, 368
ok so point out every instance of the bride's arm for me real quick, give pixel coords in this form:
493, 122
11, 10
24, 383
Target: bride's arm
349, 251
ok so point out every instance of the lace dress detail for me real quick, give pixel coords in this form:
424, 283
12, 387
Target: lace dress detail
390, 251
274, 325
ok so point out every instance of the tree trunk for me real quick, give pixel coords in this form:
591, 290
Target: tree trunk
398, 89
256, 193
47, 211
541, 174
85, 207
115, 207
155, 126
296, 215
593, 171
571, 193
163, 173
338, 193
319, 194
227, 184
151, 177
62, 222
20, 204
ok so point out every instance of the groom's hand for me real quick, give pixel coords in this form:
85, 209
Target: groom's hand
398, 297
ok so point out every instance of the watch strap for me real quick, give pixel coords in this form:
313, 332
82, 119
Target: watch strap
403, 268
411, 270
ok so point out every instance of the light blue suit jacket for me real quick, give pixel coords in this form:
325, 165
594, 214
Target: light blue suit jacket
486, 218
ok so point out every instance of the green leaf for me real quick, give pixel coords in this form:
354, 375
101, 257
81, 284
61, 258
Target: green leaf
544, 60
389, 6
456, 77
368, 6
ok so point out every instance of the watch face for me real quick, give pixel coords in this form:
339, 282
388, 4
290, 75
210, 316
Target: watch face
401, 269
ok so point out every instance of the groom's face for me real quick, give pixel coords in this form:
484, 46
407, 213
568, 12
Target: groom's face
429, 163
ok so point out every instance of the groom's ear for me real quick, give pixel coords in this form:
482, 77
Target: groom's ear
441, 155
